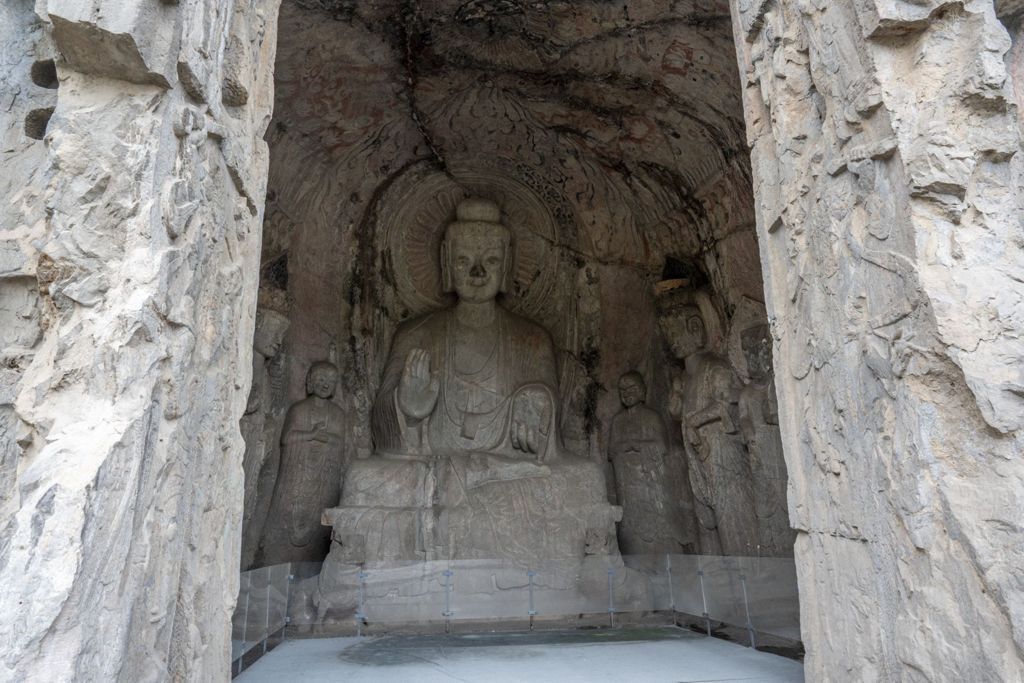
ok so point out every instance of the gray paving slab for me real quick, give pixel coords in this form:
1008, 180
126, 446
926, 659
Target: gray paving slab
655, 655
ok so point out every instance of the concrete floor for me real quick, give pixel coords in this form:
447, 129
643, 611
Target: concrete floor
657, 655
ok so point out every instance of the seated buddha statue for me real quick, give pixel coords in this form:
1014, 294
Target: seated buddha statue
474, 377
467, 458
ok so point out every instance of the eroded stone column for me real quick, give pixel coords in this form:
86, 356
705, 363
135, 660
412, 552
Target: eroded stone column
887, 165
135, 220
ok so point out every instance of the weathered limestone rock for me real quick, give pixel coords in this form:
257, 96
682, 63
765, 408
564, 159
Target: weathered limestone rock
122, 477
133, 40
887, 167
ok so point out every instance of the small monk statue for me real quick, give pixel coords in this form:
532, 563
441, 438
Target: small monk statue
310, 477
475, 377
638, 449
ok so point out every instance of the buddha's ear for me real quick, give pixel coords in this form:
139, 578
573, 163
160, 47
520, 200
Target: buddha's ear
447, 285
507, 268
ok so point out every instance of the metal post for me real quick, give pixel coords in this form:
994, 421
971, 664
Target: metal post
288, 604
611, 597
671, 591
532, 612
360, 614
447, 600
703, 595
266, 627
245, 620
746, 606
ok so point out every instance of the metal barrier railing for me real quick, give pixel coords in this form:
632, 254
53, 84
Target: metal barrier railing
758, 595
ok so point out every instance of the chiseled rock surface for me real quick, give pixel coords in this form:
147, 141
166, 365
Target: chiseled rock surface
887, 166
137, 218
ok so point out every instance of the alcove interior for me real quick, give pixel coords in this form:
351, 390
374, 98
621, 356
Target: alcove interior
613, 135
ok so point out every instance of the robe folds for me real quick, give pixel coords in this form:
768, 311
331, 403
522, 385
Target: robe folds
511, 376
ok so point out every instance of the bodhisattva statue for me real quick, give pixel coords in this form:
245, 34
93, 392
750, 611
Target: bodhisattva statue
638, 448
705, 402
759, 424
257, 430
468, 462
312, 466
474, 377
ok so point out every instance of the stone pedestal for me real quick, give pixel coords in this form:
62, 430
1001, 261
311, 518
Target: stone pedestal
470, 506
461, 508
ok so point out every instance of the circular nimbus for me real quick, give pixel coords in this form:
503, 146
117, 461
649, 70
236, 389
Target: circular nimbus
413, 213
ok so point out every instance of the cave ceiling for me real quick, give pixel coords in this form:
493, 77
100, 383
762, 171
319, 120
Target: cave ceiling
631, 109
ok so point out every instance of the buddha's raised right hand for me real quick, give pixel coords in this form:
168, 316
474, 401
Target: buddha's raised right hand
418, 389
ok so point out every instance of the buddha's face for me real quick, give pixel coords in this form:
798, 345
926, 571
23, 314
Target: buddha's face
477, 265
631, 391
322, 382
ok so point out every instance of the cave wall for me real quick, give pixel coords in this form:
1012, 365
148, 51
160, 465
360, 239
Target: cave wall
886, 153
622, 122
129, 252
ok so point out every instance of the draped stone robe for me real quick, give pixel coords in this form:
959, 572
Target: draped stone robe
638, 450
513, 376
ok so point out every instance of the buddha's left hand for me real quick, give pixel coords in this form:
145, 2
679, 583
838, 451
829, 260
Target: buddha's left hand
524, 435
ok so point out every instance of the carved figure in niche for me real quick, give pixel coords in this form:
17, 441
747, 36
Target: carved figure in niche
257, 430
310, 477
759, 424
474, 377
705, 401
468, 459
638, 449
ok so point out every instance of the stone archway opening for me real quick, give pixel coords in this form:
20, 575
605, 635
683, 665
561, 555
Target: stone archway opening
885, 168
611, 140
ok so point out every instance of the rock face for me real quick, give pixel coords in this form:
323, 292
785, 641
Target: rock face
129, 253
884, 179
887, 166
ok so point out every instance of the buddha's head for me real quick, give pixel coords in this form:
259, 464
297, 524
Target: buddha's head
688, 321
476, 253
321, 379
632, 389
